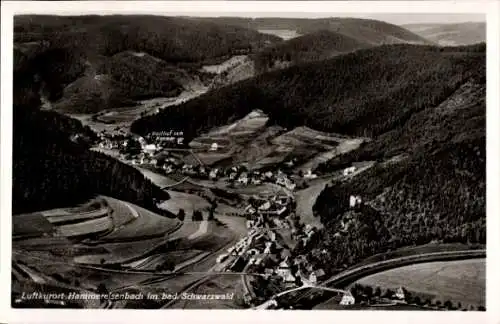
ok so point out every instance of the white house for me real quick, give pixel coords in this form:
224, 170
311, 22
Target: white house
354, 200
149, 148
213, 174
267, 250
214, 147
221, 258
265, 206
180, 140
347, 299
400, 293
309, 175
250, 209
283, 269
350, 170
313, 279
243, 179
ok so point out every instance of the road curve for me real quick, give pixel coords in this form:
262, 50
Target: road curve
344, 278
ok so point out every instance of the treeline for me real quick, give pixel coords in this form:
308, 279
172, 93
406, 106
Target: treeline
171, 39
315, 46
372, 31
365, 93
52, 166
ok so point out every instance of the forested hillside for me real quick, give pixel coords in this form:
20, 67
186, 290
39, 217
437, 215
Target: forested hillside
365, 93
431, 187
111, 57
315, 46
451, 34
369, 31
52, 166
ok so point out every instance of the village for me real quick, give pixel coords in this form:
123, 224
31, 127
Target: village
278, 246
164, 153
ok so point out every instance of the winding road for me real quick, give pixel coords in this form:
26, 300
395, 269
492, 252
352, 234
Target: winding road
344, 278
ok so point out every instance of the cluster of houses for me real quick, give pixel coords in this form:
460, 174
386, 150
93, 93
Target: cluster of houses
261, 252
276, 205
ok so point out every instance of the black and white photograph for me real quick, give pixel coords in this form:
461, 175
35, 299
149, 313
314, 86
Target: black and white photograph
248, 161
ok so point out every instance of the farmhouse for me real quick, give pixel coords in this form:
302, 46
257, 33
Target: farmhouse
347, 299
265, 206
243, 179
348, 171
309, 175
149, 148
400, 293
213, 174
214, 147
354, 201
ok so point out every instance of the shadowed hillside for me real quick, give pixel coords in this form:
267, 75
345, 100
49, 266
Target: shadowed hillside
429, 184
315, 46
52, 166
365, 93
114, 60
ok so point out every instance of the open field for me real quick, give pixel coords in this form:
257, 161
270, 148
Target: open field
93, 226
334, 305
188, 202
30, 225
247, 125
461, 281
120, 252
148, 224
286, 34
306, 198
224, 66
152, 261
122, 212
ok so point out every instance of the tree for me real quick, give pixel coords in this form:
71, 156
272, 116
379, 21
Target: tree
481, 308
133, 147
448, 304
197, 215
181, 215
389, 293
368, 290
211, 214
378, 292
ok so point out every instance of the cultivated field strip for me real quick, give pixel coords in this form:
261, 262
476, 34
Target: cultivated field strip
92, 226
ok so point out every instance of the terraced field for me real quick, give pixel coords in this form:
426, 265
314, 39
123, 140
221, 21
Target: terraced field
147, 225
93, 226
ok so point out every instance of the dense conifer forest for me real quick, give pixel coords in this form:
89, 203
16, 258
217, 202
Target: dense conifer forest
52, 166
365, 93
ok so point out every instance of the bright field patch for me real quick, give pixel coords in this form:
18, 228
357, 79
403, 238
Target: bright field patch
458, 281
148, 224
